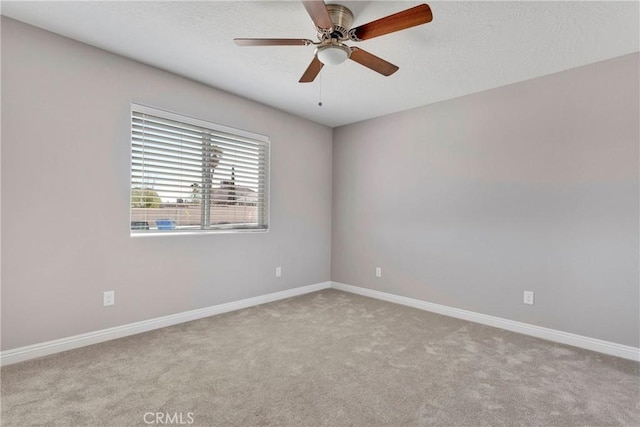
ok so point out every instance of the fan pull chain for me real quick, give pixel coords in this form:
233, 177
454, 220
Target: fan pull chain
320, 95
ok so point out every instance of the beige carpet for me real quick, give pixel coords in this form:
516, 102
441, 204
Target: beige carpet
324, 359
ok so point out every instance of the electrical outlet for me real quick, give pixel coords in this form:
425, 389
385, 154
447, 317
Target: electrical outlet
278, 271
109, 298
378, 272
528, 297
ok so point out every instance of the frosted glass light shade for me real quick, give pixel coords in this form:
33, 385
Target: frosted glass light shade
333, 55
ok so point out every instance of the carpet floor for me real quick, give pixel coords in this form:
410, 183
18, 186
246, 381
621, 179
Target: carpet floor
324, 359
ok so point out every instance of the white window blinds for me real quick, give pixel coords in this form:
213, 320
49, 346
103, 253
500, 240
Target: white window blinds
189, 175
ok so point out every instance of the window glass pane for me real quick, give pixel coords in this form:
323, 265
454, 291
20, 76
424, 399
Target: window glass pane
189, 175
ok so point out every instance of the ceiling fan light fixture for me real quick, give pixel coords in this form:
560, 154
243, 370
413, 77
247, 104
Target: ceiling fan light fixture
333, 54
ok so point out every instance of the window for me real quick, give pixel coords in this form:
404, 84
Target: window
188, 175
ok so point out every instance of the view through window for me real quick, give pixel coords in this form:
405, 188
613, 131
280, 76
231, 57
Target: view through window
192, 175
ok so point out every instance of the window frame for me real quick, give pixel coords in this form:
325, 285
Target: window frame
263, 209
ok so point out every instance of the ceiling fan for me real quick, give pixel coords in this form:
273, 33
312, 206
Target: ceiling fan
333, 26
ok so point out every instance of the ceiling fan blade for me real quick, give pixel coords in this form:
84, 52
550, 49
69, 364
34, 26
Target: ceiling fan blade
312, 71
319, 14
398, 21
372, 62
272, 42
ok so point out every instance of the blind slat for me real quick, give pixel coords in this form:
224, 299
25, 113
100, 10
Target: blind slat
142, 151
194, 144
152, 122
222, 167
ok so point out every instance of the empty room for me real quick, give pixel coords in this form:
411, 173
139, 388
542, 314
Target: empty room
309, 213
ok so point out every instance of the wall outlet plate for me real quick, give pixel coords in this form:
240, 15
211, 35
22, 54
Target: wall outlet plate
378, 272
278, 271
528, 297
109, 298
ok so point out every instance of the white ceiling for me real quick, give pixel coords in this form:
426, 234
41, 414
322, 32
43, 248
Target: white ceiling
469, 47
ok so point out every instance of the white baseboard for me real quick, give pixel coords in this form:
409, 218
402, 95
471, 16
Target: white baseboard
50, 347
43, 349
588, 343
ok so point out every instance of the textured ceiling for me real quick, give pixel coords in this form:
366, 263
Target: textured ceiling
469, 47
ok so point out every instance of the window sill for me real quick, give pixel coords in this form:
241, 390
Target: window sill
157, 233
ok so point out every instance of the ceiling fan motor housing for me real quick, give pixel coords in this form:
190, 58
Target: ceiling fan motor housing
342, 18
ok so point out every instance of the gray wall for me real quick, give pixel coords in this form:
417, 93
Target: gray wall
470, 202
66, 143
